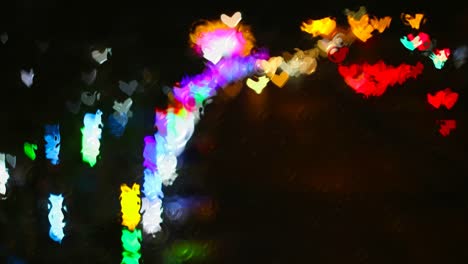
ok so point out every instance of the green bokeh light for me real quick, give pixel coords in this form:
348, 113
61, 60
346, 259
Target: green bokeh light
90, 149
183, 251
131, 241
30, 150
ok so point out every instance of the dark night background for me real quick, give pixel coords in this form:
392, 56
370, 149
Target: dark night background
309, 173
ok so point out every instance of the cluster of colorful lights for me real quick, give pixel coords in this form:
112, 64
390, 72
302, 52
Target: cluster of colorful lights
446, 98
422, 41
333, 45
362, 25
56, 217
91, 135
130, 204
215, 39
373, 80
175, 125
439, 57
228, 46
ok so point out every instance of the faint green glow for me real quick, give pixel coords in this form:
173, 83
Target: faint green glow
183, 251
30, 150
131, 244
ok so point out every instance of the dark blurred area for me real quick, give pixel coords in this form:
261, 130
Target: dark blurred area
308, 173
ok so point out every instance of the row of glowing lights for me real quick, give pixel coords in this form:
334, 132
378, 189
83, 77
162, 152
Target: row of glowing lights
228, 46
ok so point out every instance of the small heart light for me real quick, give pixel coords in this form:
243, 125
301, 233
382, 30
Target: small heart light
281, 79
128, 88
123, 108
27, 77
88, 98
99, 56
259, 85
231, 21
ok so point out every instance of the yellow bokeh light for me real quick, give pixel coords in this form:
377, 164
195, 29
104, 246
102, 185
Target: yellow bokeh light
413, 21
323, 27
364, 27
130, 203
259, 85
